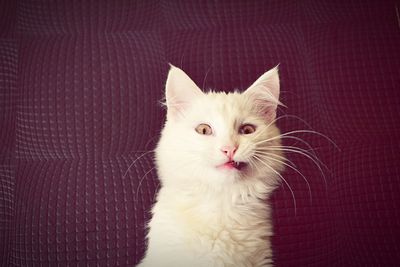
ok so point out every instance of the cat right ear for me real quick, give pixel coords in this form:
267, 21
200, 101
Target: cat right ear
265, 93
180, 92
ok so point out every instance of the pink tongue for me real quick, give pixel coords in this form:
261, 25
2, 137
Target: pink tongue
229, 165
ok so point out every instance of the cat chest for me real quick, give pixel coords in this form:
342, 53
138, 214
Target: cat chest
232, 234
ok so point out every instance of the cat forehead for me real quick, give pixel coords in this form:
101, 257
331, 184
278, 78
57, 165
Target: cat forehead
230, 106
224, 102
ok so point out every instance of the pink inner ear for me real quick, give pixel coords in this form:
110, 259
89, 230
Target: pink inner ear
266, 109
265, 92
177, 108
181, 91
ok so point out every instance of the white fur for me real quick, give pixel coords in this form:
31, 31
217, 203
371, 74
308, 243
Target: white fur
206, 216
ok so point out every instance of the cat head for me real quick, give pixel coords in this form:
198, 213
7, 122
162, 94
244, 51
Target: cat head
219, 139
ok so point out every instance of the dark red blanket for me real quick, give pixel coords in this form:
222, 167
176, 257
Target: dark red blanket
80, 85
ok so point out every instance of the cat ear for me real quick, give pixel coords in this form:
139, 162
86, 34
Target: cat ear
265, 93
180, 91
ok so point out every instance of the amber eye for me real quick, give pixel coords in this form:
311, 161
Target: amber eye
204, 129
247, 129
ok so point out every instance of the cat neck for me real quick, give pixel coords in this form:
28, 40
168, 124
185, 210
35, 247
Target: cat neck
235, 192
210, 206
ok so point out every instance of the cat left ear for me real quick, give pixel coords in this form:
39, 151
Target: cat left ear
265, 92
180, 92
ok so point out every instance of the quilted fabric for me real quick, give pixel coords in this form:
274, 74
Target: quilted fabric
80, 86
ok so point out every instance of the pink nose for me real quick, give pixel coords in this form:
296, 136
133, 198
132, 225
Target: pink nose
229, 151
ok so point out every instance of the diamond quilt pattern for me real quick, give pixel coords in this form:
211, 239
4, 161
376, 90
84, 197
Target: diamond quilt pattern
80, 90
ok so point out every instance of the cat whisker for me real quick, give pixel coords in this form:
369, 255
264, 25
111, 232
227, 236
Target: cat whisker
311, 149
293, 168
313, 132
298, 118
288, 116
205, 77
275, 155
283, 179
307, 152
294, 117
303, 131
143, 177
310, 152
151, 139
316, 161
156, 192
270, 97
295, 138
275, 120
253, 164
307, 124
141, 181
135, 160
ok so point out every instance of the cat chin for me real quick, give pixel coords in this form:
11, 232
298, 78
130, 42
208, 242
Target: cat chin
230, 176
216, 177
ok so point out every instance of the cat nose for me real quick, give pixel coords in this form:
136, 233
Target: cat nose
229, 151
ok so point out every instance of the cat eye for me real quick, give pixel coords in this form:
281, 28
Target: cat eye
247, 129
204, 129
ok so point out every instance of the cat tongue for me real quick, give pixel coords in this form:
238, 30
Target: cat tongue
230, 165
234, 165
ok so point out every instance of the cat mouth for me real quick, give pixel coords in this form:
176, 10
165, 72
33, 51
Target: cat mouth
236, 165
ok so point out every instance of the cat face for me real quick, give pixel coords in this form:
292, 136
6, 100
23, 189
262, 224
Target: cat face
219, 138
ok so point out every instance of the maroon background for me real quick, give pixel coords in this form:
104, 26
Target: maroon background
80, 83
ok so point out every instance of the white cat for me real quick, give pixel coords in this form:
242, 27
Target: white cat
216, 172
